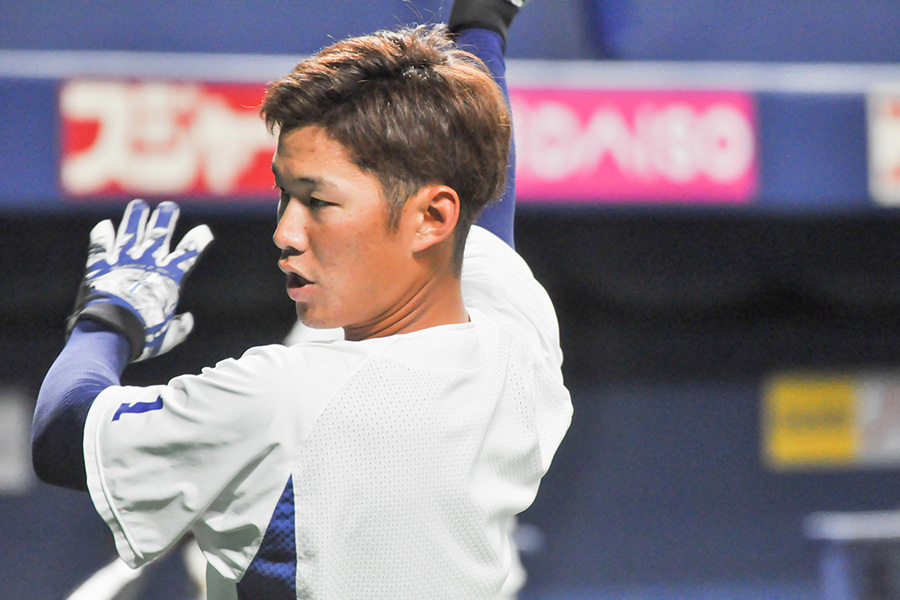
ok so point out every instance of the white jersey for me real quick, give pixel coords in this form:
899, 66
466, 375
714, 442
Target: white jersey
406, 457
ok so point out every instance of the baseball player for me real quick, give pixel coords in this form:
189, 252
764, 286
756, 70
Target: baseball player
390, 463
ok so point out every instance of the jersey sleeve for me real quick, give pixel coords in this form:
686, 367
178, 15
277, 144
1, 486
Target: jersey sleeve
498, 282
166, 459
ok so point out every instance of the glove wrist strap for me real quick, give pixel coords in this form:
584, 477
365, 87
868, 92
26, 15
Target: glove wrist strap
116, 317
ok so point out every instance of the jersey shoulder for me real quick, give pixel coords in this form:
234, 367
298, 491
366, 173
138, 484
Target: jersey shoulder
498, 283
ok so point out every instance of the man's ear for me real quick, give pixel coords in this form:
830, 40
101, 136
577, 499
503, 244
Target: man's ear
437, 212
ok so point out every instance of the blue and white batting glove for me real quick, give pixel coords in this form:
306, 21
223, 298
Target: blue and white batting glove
132, 281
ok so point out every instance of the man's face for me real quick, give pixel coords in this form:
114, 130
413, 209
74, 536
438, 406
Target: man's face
345, 267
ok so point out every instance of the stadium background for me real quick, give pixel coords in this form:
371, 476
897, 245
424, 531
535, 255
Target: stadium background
674, 315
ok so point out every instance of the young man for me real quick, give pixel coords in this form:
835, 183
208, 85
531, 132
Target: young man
388, 464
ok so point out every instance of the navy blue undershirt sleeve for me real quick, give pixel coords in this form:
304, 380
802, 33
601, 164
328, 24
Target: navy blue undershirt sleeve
92, 360
489, 46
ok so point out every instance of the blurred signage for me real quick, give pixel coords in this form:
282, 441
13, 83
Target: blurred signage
820, 420
201, 140
626, 146
883, 117
163, 139
16, 474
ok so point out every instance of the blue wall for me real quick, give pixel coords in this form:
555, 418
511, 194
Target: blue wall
756, 30
762, 30
554, 29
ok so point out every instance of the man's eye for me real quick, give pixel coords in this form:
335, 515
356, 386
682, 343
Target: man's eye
316, 203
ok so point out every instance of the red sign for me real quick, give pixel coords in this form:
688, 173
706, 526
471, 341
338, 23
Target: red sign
597, 145
203, 140
883, 116
164, 139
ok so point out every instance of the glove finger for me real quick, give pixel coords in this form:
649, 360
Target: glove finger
102, 243
158, 233
190, 248
131, 229
179, 328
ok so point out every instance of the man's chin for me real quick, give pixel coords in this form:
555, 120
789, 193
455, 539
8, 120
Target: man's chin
313, 321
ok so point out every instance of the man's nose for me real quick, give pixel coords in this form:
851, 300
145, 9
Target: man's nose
290, 233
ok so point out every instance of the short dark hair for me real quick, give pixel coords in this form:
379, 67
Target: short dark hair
411, 108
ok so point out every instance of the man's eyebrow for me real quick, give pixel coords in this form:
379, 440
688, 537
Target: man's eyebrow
307, 181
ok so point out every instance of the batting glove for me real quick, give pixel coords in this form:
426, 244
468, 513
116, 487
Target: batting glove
495, 15
132, 281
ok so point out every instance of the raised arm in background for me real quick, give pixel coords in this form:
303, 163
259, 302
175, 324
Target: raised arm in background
480, 27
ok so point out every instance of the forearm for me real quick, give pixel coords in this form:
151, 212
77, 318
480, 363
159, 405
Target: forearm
92, 360
489, 46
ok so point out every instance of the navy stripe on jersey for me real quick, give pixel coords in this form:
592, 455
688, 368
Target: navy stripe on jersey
273, 573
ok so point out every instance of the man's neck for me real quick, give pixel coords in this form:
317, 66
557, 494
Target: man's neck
436, 302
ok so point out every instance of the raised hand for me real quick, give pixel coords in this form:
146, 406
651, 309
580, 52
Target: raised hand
132, 281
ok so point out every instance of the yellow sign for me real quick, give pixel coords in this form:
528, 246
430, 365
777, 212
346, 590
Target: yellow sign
810, 421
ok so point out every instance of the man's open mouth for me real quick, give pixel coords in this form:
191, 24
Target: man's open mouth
296, 281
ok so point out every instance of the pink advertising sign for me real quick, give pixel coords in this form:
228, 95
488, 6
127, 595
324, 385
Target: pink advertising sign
634, 146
